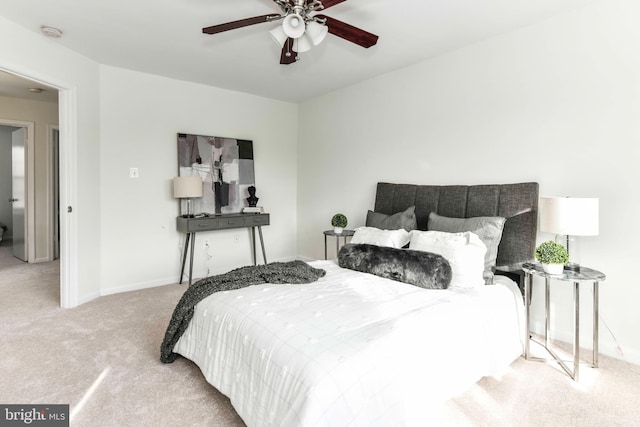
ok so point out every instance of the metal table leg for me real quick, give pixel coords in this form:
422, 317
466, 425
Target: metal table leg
547, 311
595, 324
184, 256
576, 331
193, 246
527, 306
325, 246
264, 254
253, 245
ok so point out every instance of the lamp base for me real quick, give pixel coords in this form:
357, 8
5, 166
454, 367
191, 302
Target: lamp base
572, 266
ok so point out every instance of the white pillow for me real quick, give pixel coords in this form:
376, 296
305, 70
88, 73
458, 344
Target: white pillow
464, 251
375, 236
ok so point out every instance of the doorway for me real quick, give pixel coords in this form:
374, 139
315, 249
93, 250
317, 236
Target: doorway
68, 173
17, 196
57, 151
18, 218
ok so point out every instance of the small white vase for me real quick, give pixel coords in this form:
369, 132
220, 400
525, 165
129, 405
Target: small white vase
553, 268
337, 230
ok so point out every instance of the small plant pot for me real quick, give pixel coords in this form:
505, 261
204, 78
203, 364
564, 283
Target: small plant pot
553, 268
338, 230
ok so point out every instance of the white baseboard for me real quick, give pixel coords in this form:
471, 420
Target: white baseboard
630, 355
141, 285
173, 280
86, 298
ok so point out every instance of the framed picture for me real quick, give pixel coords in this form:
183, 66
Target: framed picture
225, 166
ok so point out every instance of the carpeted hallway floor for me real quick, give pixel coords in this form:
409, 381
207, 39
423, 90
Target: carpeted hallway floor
102, 358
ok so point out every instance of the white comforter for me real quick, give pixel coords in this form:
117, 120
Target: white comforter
352, 348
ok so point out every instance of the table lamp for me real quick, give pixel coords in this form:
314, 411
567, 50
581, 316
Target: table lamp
568, 217
187, 187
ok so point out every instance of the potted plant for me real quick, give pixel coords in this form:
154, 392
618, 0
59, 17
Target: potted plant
339, 222
553, 256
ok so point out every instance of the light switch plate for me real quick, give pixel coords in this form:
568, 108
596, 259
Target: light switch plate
134, 173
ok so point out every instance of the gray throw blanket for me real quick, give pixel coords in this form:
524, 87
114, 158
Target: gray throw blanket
276, 272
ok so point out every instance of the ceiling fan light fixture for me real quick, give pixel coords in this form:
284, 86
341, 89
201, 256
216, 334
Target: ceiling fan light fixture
316, 32
299, 21
302, 44
293, 25
278, 35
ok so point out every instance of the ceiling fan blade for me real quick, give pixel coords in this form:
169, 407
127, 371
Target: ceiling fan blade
215, 29
349, 32
328, 3
288, 49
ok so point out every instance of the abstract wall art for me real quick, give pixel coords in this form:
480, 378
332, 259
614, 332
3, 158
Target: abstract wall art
225, 166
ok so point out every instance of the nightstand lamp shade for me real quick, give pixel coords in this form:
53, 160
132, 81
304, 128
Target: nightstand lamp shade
187, 187
567, 217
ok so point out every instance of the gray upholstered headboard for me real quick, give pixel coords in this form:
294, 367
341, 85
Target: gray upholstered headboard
518, 203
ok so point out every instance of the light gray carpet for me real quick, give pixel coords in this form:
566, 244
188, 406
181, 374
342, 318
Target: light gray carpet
102, 358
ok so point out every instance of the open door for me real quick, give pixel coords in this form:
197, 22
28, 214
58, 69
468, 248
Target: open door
19, 193
55, 191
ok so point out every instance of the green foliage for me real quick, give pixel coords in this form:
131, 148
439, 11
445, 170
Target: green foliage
339, 220
552, 253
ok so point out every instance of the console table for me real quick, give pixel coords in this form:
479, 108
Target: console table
191, 226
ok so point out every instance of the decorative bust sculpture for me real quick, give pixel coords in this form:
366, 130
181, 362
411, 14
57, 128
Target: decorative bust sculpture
252, 199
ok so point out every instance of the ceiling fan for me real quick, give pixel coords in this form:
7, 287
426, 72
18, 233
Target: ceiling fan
301, 28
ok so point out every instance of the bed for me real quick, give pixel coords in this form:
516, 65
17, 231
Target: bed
354, 348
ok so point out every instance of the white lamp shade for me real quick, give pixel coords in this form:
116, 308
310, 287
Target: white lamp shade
187, 186
278, 35
316, 32
569, 216
293, 25
302, 44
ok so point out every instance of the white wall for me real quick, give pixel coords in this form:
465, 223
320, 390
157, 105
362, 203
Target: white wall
557, 103
125, 229
34, 56
140, 116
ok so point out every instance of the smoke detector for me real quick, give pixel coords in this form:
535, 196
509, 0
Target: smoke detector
51, 31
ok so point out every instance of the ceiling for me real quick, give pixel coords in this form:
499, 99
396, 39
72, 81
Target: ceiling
164, 37
17, 87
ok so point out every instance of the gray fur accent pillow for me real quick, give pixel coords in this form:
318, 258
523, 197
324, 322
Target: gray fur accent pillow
424, 269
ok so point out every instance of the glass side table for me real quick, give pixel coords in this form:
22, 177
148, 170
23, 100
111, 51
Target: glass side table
584, 275
345, 234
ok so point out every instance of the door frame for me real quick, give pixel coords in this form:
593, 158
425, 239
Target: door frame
29, 167
68, 145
